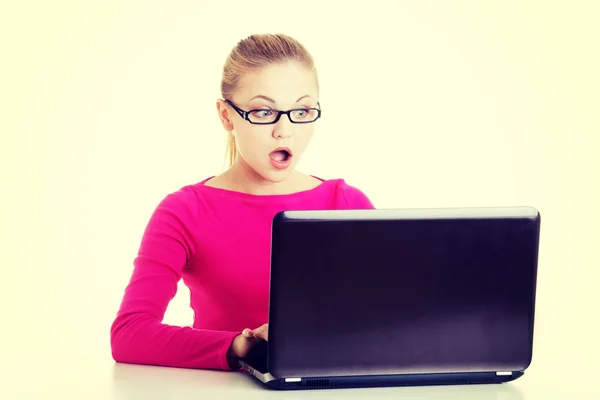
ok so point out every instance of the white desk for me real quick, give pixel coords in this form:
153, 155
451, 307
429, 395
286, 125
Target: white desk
59, 375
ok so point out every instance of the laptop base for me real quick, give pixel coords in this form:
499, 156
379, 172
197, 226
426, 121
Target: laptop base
373, 381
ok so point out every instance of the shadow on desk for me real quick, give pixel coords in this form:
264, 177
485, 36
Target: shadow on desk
148, 382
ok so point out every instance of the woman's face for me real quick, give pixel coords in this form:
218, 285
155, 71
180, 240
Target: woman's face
276, 87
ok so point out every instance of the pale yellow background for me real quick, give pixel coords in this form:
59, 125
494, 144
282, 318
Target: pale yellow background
106, 106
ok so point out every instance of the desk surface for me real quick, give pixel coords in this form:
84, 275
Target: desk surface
58, 374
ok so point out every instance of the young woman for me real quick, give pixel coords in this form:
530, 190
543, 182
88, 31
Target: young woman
215, 234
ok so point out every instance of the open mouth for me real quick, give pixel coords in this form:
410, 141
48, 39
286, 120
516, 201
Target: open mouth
280, 155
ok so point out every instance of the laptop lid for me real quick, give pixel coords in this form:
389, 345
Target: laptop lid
377, 292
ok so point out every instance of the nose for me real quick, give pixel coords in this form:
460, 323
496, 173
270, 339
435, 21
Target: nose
283, 128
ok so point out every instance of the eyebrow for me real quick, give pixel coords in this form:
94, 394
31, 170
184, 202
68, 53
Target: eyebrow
260, 96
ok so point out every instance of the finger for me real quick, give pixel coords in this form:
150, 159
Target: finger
262, 333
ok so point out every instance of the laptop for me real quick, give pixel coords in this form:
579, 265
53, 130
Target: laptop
397, 297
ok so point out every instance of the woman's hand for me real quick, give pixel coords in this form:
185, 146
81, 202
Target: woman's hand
258, 333
243, 342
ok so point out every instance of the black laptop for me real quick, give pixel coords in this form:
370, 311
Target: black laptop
367, 298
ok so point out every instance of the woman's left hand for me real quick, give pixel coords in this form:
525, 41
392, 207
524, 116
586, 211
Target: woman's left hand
261, 332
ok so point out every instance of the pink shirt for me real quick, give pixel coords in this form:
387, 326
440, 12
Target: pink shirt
218, 242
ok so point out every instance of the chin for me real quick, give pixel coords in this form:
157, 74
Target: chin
277, 176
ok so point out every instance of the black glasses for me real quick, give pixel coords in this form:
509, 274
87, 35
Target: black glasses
268, 116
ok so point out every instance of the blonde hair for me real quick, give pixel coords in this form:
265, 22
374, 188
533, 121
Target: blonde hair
255, 52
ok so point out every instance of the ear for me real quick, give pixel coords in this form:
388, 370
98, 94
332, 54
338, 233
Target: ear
223, 110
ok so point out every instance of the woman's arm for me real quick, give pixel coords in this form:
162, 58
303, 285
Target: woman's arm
137, 334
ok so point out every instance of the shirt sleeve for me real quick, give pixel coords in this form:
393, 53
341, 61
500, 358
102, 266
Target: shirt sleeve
137, 334
355, 198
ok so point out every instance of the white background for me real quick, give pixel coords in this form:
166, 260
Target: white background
108, 106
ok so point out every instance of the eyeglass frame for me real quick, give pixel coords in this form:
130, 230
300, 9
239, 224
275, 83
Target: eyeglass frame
245, 114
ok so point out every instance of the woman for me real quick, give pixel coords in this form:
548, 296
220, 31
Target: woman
215, 234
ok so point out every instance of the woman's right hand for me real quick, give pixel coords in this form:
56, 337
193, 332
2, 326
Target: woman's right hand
243, 342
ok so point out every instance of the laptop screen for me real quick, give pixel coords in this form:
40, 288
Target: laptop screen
409, 295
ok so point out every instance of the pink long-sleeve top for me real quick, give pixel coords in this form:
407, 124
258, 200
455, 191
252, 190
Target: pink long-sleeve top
218, 242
